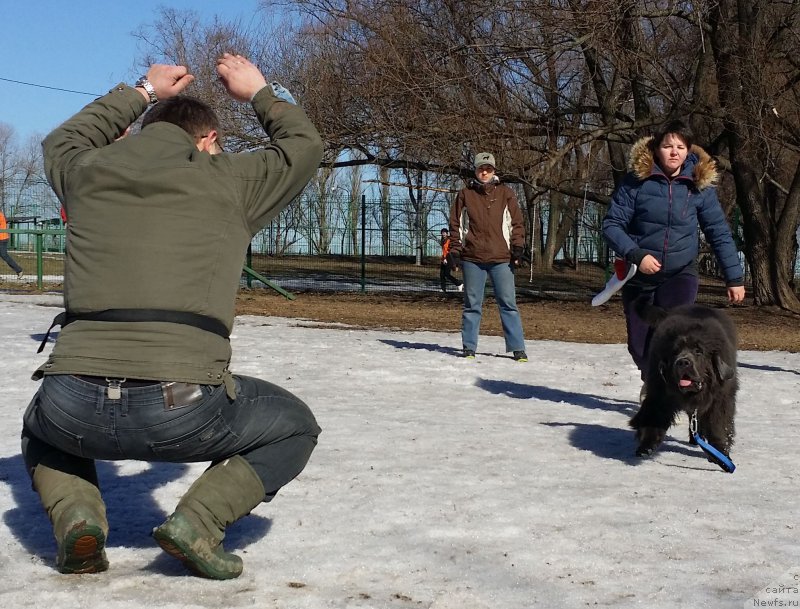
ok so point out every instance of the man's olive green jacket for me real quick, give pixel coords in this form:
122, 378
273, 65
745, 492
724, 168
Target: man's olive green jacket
153, 223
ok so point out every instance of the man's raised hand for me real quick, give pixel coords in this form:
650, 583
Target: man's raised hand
168, 80
241, 78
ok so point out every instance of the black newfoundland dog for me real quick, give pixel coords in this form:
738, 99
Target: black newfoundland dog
691, 368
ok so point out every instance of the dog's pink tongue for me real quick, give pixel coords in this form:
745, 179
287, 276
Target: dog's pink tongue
685, 383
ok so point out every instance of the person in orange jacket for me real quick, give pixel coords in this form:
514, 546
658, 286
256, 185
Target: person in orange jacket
445, 265
4, 248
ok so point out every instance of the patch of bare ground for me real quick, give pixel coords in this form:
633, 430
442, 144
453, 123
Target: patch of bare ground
760, 328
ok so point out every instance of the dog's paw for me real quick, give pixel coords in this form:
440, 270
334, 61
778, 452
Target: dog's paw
645, 451
649, 440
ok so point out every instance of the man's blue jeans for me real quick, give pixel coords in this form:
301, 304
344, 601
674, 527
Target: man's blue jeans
502, 276
71, 422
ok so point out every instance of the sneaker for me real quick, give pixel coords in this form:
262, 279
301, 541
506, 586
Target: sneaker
469, 353
20, 274
520, 356
460, 287
622, 273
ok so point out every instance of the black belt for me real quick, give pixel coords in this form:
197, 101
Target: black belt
203, 322
123, 383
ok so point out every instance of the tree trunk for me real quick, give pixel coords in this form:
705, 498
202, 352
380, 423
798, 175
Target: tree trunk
385, 174
768, 222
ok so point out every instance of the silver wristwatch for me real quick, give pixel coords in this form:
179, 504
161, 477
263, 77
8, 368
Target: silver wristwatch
147, 86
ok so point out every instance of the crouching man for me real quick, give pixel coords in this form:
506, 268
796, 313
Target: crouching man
159, 223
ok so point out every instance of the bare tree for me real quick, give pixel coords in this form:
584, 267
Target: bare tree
21, 168
421, 85
758, 73
283, 232
353, 213
539, 81
8, 163
384, 174
319, 211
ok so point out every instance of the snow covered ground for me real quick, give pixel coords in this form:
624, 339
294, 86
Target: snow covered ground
442, 483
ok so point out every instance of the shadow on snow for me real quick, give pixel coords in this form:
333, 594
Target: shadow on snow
131, 507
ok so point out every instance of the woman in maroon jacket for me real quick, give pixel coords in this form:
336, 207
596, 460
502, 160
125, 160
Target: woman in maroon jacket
488, 238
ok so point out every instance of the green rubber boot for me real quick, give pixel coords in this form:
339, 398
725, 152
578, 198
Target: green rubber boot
78, 515
194, 532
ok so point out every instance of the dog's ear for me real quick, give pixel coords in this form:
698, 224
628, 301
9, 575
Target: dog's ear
723, 371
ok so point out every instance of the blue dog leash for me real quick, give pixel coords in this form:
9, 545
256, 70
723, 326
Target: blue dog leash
718, 457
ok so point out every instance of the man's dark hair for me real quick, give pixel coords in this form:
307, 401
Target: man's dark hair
675, 127
193, 116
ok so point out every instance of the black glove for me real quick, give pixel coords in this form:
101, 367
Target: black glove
516, 255
454, 260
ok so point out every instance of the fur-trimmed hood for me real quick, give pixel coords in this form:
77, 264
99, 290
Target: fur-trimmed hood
698, 165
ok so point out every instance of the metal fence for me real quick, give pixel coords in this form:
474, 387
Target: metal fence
338, 244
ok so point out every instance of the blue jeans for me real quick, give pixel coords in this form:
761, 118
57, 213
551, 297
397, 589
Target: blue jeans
70, 422
502, 276
677, 290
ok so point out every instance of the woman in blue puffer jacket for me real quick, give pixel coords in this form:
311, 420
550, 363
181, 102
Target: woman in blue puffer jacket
653, 222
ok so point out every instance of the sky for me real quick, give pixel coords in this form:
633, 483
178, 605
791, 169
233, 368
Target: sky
442, 483
81, 45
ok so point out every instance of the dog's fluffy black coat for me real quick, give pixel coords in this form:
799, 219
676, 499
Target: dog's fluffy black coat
691, 367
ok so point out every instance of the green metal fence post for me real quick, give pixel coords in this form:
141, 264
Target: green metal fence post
363, 243
39, 260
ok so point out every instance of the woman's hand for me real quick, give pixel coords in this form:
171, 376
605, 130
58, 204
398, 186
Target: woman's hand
736, 294
649, 265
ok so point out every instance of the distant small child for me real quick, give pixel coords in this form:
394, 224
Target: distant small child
445, 273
